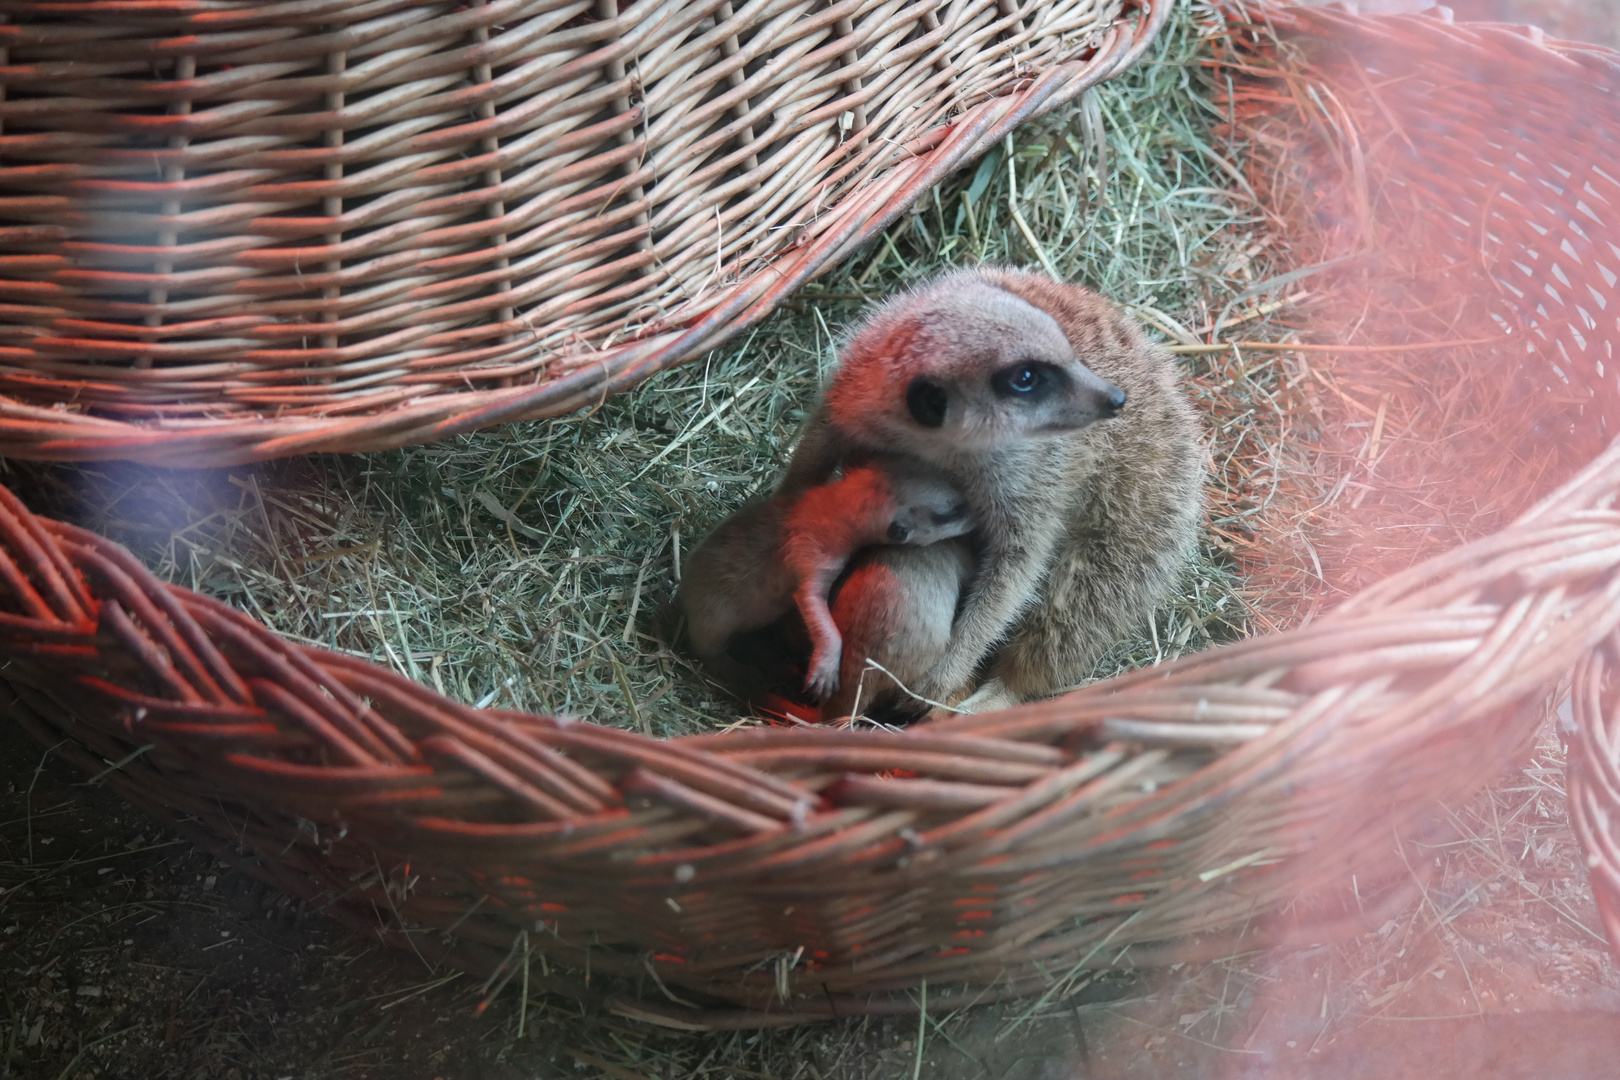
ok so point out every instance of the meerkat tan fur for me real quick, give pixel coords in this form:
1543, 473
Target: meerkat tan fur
1070, 438
783, 551
896, 608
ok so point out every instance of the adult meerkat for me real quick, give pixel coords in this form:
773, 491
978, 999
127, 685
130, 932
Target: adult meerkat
783, 551
1068, 435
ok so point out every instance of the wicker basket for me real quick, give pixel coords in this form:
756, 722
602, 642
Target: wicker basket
1517, 163
230, 233
780, 875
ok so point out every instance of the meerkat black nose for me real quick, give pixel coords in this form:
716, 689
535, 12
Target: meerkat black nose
1113, 401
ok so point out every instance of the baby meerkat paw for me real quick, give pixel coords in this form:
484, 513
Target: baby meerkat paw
822, 680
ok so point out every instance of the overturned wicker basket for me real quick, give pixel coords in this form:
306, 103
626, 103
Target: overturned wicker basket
783, 875
242, 232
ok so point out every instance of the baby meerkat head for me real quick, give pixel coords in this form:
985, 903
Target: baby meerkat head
965, 365
927, 508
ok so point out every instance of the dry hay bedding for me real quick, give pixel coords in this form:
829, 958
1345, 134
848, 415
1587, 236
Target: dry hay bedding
981, 855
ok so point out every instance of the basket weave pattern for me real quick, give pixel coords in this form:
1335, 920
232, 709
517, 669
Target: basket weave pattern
1510, 155
228, 234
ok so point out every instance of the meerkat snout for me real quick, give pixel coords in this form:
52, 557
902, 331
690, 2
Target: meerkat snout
1061, 398
1107, 403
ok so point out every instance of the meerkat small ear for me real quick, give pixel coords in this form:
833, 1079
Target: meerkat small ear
927, 401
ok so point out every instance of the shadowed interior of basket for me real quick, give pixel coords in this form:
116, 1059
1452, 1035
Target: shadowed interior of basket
286, 213
801, 873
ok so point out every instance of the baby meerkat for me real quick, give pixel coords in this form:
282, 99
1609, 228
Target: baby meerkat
1015, 387
782, 551
895, 608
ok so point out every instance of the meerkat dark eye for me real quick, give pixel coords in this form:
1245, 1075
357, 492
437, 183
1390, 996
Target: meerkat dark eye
1024, 380
927, 402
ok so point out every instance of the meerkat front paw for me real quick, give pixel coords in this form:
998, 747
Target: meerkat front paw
992, 696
